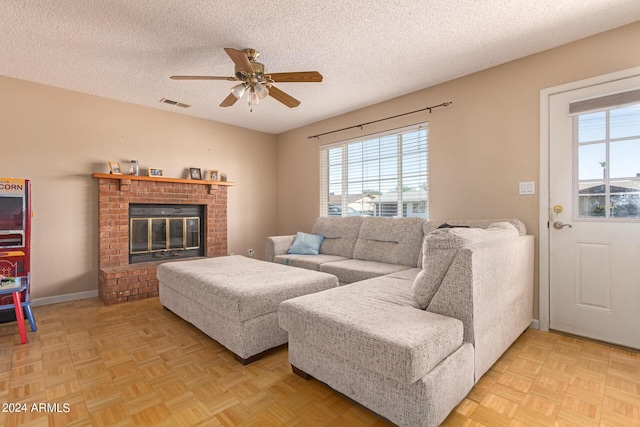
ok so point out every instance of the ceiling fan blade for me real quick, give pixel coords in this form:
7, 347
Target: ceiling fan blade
301, 76
231, 79
240, 59
229, 101
283, 97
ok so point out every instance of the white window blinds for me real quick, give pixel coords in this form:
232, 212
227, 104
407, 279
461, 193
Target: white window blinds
378, 175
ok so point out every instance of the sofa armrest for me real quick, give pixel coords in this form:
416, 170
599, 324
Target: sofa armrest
277, 245
489, 287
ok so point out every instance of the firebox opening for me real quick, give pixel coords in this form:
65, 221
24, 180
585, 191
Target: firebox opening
165, 232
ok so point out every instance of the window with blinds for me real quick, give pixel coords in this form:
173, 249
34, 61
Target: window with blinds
384, 174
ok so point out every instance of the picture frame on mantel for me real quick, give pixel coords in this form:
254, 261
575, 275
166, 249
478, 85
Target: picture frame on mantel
115, 168
214, 175
157, 172
195, 173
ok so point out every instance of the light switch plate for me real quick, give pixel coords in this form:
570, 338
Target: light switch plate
528, 187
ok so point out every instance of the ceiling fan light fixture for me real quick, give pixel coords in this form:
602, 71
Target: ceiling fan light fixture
254, 98
261, 91
239, 90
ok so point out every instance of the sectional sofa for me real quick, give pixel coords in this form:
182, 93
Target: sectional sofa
425, 312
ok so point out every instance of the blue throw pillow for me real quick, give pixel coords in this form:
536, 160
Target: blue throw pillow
306, 244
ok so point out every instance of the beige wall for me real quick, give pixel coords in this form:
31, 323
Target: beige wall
479, 148
58, 138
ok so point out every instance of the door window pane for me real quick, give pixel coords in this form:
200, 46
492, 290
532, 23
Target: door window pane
625, 205
591, 206
592, 127
625, 199
591, 199
591, 161
625, 159
625, 122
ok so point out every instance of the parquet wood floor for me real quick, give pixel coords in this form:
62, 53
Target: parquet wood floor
136, 364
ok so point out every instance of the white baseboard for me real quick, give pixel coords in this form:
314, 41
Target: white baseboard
64, 298
535, 324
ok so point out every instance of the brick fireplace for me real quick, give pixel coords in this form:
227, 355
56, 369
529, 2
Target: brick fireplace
119, 281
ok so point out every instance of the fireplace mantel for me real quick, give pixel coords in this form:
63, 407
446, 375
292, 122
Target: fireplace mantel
159, 179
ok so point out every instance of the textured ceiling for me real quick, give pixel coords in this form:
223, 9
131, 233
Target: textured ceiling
367, 50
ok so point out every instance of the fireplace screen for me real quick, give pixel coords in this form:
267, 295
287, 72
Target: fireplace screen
158, 231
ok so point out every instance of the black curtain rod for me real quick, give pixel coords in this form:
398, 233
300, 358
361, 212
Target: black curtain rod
444, 104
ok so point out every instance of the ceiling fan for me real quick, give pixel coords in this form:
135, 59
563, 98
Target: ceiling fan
256, 83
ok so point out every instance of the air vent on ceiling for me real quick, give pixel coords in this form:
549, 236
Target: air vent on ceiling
176, 103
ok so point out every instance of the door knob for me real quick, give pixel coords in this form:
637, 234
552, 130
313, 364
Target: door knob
558, 225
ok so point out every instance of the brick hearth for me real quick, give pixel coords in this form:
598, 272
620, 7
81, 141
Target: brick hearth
119, 281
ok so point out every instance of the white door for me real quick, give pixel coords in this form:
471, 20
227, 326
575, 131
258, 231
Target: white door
594, 218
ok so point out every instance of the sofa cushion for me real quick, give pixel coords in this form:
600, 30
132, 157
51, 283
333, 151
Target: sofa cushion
306, 244
355, 270
340, 235
374, 324
310, 262
389, 240
441, 247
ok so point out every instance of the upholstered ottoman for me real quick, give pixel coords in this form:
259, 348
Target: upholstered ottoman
235, 299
